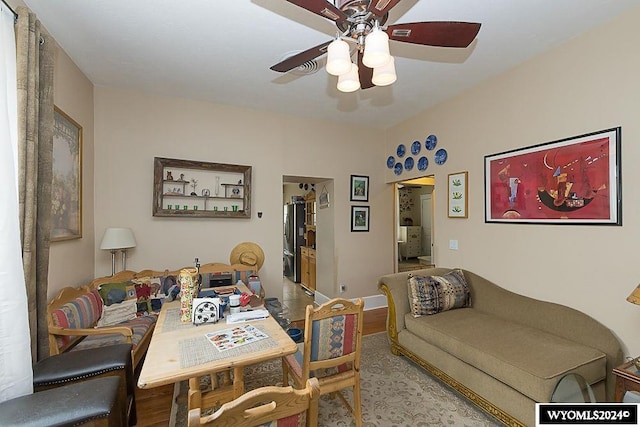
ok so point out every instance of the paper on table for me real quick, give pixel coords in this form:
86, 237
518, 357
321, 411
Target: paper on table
236, 337
246, 316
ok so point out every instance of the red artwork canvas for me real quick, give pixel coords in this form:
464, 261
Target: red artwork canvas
572, 181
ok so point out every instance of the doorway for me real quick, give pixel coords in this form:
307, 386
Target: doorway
414, 224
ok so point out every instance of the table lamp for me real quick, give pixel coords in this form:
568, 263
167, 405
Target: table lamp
115, 239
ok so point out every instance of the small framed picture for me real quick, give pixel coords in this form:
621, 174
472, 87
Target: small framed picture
323, 199
457, 195
359, 188
359, 218
131, 292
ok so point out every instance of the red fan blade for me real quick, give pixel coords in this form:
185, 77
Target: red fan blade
322, 8
300, 58
380, 7
442, 34
365, 74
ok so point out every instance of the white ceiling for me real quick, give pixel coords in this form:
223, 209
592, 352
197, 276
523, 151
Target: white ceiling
221, 50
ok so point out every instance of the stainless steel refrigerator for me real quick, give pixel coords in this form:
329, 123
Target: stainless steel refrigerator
293, 239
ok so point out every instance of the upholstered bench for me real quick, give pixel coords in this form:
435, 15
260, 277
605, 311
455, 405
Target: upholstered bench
73, 317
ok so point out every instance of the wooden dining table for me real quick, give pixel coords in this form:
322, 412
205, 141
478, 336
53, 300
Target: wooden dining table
181, 351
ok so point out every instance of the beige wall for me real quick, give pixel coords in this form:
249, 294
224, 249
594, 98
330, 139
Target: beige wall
588, 84
72, 261
131, 128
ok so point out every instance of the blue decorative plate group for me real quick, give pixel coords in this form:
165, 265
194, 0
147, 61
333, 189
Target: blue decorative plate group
395, 162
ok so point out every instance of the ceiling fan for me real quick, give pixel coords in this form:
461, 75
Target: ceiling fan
362, 22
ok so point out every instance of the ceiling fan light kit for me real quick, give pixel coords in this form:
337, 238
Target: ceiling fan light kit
361, 22
350, 81
385, 74
376, 48
338, 57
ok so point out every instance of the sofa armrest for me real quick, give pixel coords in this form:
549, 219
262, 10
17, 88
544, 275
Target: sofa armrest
394, 286
122, 330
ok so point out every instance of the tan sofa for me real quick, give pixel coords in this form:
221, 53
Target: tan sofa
507, 351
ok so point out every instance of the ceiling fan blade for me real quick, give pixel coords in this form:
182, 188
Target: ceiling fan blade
322, 8
380, 7
441, 33
364, 73
297, 60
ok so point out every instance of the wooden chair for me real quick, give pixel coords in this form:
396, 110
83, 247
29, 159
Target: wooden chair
263, 405
331, 352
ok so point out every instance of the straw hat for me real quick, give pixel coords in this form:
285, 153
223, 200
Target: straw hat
247, 253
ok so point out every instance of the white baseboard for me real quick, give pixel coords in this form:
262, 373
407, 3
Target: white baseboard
370, 302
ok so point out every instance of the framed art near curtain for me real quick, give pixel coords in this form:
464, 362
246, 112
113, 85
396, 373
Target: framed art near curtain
574, 180
66, 188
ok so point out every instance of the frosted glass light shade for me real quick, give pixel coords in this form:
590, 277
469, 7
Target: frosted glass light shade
385, 74
118, 238
376, 48
349, 82
338, 58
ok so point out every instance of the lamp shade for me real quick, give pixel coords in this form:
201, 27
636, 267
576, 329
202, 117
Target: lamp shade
338, 58
376, 48
349, 82
385, 74
118, 238
634, 297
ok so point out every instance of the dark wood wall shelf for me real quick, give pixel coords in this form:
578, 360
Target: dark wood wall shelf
191, 188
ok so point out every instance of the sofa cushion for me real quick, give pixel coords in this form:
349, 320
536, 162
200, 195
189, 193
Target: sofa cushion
118, 313
435, 294
527, 359
83, 312
114, 293
139, 326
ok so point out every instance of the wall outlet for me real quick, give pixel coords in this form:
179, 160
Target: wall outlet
343, 288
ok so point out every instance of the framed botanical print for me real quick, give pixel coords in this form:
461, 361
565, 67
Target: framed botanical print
359, 218
66, 188
359, 188
457, 204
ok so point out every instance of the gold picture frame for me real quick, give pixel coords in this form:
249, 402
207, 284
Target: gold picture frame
457, 195
66, 186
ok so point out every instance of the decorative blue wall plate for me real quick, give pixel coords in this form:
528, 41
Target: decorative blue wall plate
423, 163
415, 147
441, 156
431, 142
398, 168
401, 150
391, 161
408, 163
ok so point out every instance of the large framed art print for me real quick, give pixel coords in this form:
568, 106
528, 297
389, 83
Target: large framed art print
66, 188
575, 180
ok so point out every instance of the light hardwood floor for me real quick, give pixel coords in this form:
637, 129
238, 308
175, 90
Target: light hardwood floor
154, 405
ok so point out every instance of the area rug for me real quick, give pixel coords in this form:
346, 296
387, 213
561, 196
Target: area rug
395, 392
